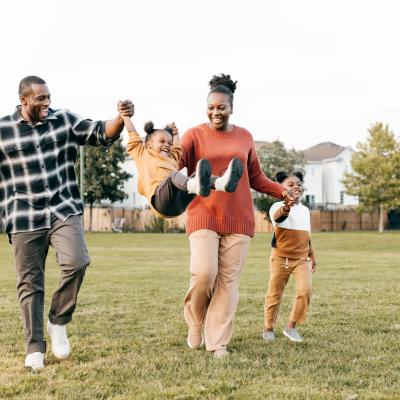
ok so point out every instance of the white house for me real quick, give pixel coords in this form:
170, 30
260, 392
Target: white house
134, 199
326, 164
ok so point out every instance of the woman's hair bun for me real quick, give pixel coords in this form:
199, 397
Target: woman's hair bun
280, 176
149, 127
223, 80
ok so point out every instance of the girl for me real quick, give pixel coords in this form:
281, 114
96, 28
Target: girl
168, 191
292, 254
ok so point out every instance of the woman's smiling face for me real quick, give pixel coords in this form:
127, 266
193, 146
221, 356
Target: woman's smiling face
219, 109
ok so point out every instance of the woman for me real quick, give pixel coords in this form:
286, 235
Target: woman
220, 226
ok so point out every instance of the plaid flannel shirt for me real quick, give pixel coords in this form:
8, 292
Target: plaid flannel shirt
37, 167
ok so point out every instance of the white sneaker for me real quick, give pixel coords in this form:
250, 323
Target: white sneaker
269, 336
292, 334
35, 361
200, 184
230, 179
59, 341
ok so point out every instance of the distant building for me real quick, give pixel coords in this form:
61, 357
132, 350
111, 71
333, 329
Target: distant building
134, 199
326, 164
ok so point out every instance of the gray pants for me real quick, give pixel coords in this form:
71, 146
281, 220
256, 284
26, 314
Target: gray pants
171, 197
30, 256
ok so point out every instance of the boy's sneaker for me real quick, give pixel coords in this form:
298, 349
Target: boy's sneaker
230, 179
269, 336
292, 334
35, 361
200, 184
59, 341
195, 338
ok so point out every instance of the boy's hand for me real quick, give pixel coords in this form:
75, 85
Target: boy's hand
313, 264
174, 128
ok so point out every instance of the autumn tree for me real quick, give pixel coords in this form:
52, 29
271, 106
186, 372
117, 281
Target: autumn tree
274, 157
375, 176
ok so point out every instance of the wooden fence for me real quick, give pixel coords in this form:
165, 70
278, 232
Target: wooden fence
137, 220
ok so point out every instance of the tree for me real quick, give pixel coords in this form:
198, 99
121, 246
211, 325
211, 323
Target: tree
275, 157
375, 178
103, 176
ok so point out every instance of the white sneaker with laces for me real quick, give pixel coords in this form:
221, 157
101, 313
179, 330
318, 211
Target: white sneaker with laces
59, 341
35, 361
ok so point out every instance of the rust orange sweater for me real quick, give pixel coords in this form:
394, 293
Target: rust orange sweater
225, 212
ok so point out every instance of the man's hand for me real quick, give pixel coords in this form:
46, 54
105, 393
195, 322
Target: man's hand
125, 108
115, 126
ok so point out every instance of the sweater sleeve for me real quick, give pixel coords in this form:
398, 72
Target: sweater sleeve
135, 145
188, 158
258, 180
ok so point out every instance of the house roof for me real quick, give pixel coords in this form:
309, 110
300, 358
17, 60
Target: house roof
323, 151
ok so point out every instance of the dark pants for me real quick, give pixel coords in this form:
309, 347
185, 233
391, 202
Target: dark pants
30, 256
171, 197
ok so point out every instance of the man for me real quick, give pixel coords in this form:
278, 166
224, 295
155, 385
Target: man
41, 206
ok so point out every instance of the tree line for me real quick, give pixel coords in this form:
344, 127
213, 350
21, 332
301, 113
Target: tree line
374, 178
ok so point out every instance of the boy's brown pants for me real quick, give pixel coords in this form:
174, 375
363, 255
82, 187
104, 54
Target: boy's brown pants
280, 270
216, 262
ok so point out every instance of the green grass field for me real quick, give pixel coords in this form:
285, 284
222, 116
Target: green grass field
129, 337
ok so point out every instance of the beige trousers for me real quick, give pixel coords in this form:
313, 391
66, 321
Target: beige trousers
280, 270
216, 262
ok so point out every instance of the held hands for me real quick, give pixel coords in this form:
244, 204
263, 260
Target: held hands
289, 198
125, 108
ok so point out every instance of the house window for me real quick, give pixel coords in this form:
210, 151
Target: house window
310, 199
342, 197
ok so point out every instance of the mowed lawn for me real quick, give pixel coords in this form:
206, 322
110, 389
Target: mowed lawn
129, 337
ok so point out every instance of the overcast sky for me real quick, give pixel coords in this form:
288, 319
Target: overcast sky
308, 71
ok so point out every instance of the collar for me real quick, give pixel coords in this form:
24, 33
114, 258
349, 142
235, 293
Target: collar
17, 116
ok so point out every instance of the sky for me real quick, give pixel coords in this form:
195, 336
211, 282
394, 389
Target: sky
308, 71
